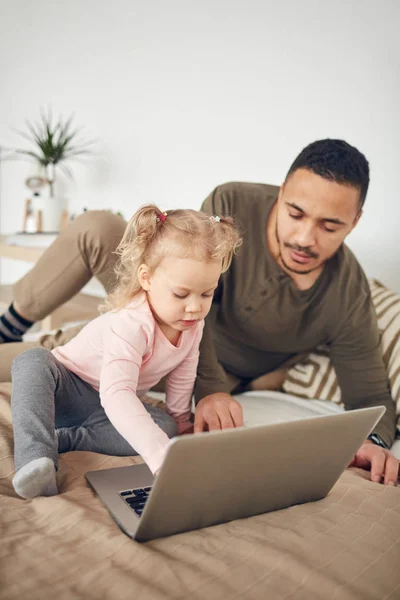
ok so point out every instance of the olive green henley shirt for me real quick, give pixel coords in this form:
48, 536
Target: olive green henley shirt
260, 319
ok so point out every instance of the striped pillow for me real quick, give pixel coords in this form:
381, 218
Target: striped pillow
315, 377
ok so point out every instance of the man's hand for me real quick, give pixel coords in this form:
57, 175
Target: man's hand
382, 463
217, 411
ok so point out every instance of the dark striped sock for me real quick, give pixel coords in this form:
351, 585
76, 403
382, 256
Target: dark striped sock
13, 326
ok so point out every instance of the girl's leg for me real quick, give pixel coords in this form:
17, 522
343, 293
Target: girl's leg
97, 434
8, 352
45, 394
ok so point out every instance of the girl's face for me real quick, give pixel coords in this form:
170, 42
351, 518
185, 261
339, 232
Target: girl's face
180, 291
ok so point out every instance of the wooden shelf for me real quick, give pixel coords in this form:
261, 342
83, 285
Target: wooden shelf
19, 252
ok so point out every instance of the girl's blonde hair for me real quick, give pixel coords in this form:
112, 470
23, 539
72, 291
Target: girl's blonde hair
152, 235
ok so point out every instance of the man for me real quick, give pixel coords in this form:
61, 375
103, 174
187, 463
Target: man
292, 286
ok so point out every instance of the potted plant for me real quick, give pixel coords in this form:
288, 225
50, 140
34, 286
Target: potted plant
54, 145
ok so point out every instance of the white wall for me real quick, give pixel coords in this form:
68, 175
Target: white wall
185, 95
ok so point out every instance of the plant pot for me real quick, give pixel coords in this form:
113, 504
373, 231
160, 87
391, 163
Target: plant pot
51, 211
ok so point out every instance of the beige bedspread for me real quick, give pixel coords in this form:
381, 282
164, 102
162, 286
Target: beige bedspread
346, 546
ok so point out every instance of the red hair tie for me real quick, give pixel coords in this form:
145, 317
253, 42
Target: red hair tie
162, 216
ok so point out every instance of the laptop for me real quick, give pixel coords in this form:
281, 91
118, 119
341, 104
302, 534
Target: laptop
214, 477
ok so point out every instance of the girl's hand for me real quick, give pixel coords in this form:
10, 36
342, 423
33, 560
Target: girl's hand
185, 427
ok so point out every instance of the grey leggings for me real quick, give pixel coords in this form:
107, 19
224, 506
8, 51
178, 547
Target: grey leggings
54, 411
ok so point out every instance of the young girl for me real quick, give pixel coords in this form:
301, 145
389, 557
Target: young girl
86, 395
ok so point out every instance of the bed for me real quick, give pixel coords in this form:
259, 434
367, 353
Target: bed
346, 546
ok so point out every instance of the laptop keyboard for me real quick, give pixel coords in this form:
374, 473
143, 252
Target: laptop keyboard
136, 499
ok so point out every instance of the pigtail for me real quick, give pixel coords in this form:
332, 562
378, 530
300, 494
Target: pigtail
152, 235
228, 240
140, 234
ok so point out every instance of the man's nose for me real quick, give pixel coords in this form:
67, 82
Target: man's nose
305, 235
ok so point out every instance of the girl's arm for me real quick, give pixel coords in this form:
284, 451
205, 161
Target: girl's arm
180, 383
119, 377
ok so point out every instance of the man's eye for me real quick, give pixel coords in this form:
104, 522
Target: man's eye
178, 296
295, 217
325, 228
208, 295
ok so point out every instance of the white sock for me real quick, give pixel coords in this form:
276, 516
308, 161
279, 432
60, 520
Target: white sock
36, 478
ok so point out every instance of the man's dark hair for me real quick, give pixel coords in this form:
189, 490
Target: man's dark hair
337, 161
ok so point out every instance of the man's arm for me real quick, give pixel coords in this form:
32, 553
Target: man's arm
215, 407
363, 380
359, 366
211, 376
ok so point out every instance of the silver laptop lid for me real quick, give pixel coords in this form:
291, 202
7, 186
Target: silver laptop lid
215, 477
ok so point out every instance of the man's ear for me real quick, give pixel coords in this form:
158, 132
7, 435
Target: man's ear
358, 217
281, 190
144, 277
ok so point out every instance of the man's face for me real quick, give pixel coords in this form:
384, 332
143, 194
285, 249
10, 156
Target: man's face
314, 216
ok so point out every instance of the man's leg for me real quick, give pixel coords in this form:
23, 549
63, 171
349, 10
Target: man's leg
270, 381
274, 379
13, 326
82, 251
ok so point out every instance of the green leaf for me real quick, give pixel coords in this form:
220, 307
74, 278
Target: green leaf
55, 142
33, 155
66, 171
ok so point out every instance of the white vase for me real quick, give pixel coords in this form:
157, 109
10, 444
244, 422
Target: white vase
51, 209
52, 214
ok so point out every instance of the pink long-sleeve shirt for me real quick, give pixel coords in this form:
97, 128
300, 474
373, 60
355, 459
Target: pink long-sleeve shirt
123, 354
